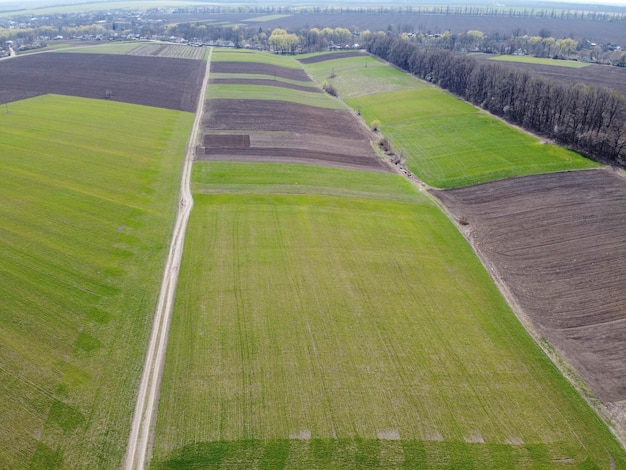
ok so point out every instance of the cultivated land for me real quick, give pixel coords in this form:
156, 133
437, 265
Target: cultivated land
447, 142
602, 75
326, 331
540, 61
329, 318
287, 121
150, 81
562, 258
87, 204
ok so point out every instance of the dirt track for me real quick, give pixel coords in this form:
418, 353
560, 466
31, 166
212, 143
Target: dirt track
138, 452
558, 242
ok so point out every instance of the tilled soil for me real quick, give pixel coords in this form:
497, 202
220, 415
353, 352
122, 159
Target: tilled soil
261, 69
274, 115
558, 241
150, 81
281, 131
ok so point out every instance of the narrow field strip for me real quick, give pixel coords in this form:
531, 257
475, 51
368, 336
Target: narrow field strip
260, 76
82, 241
263, 92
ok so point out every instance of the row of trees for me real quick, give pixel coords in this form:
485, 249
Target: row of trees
589, 119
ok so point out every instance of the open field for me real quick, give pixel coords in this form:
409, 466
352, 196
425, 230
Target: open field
285, 122
243, 56
562, 258
150, 81
613, 78
260, 76
572, 64
275, 91
87, 203
251, 68
317, 331
447, 142
175, 51
359, 75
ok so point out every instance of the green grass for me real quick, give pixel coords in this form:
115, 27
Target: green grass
262, 92
360, 76
87, 204
447, 142
243, 55
316, 331
282, 178
526, 59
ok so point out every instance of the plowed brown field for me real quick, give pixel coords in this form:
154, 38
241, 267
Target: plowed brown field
261, 69
281, 131
150, 81
558, 242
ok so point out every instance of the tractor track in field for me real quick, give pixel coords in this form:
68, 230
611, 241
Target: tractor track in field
139, 447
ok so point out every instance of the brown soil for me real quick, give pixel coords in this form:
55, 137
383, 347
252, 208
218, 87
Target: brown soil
294, 155
266, 82
270, 115
150, 81
601, 75
261, 69
558, 242
281, 131
331, 56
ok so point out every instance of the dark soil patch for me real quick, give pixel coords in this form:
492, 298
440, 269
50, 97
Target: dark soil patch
150, 81
266, 82
271, 115
226, 141
294, 155
281, 131
607, 76
259, 68
558, 241
331, 56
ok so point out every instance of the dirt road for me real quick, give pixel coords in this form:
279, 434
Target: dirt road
141, 434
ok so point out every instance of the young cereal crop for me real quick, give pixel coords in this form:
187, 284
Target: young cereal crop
325, 331
87, 203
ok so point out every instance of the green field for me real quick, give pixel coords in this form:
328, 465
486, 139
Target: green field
243, 55
448, 143
443, 140
87, 203
323, 331
263, 92
526, 59
361, 76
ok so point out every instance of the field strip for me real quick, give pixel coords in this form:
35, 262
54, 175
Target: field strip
140, 439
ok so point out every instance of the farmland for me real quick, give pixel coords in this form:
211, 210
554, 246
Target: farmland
149, 81
84, 236
328, 319
287, 350
541, 61
613, 78
445, 141
562, 257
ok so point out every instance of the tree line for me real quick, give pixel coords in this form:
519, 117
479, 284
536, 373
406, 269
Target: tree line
586, 118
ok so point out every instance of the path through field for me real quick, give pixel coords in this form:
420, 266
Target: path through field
140, 439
